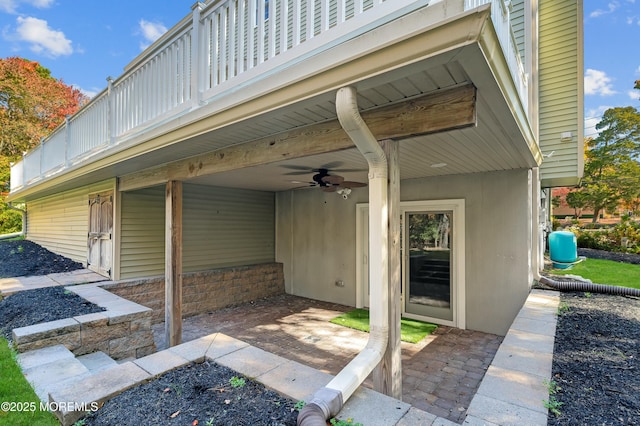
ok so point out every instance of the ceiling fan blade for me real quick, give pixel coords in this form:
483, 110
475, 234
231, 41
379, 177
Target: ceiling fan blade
333, 179
329, 188
350, 184
294, 167
299, 173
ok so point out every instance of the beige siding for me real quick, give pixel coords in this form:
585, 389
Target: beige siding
517, 25
60, 222
227, 227
142, 233
222, 227
561, 80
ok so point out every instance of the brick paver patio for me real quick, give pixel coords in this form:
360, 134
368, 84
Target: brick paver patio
440, 374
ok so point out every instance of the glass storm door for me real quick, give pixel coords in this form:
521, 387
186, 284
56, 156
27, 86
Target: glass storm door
428, 263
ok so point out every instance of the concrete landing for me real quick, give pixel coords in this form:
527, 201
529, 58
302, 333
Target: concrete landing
81, 276
513, 388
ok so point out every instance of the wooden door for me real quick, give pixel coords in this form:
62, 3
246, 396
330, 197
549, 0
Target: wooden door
100, 246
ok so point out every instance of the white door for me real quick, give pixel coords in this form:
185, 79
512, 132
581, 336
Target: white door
99, 244
432, 253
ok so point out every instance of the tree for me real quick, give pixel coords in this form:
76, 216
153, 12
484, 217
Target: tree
577, 201
612, 171
32, 105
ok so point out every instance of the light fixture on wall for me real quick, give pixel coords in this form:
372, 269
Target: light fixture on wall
344, 192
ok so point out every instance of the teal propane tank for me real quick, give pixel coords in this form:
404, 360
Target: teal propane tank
563, 247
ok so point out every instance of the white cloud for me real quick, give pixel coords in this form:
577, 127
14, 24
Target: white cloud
90, 93
10, 6
42, 38
151, 31
612, 6
634, 95
597, 83
593, 117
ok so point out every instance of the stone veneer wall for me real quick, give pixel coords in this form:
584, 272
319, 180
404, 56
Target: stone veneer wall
206, 291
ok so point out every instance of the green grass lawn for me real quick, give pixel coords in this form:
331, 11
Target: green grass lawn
411, 331
24, 404
605, 272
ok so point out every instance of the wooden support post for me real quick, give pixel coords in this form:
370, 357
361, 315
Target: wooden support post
387, 376
173, 264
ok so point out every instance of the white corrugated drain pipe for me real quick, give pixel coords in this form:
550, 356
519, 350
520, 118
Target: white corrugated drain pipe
328, 401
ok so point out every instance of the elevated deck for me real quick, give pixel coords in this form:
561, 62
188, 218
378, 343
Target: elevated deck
238, 71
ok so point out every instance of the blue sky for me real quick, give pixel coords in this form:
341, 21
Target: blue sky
85, 41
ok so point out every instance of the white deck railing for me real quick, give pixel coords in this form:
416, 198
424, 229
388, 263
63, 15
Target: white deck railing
501, 17
199, 58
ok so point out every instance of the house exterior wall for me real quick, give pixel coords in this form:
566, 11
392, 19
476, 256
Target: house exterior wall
60, 222
222, 227
561, 92
142, 233
316, 236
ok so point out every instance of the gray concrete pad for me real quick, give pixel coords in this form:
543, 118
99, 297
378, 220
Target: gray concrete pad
476, 421
97, 388
493, 411
373, 409
545, 328
251, 362
38, 357
12, 285
537, 312
161, 362
295, 380
514, 387
524, 360
194, 350
415, 417
529, 341
223, 345
80, 276
97, 361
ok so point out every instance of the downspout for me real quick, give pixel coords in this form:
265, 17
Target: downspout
24, 225
328, 401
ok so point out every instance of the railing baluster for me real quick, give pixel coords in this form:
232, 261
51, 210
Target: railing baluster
261, 31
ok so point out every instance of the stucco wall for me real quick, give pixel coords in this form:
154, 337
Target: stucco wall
316, 242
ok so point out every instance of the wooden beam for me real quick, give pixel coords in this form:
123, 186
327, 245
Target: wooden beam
387, 376
173, 264
436, 112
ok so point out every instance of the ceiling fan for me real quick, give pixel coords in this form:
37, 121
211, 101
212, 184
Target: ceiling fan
332, 183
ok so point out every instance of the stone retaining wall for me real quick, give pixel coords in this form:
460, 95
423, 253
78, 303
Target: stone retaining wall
206, 291
122, 331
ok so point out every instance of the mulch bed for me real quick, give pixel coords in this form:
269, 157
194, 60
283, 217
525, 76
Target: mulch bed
41, 305
25, 258
596, 360
197, 394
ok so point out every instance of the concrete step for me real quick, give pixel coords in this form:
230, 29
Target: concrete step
48, 368
55, 367
97, 361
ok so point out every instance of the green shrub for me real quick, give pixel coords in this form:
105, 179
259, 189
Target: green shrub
10, 221
623, 237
